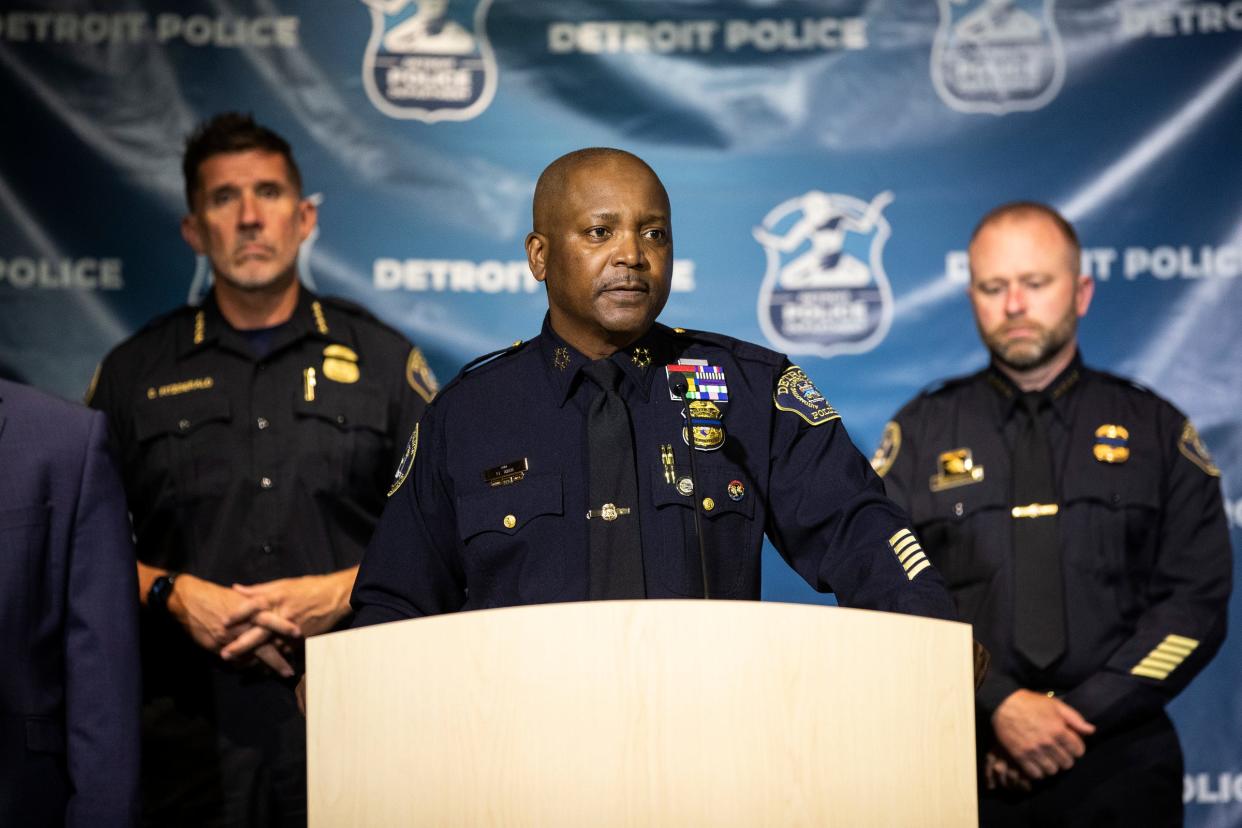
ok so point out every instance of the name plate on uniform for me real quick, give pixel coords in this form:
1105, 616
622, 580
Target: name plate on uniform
506, 473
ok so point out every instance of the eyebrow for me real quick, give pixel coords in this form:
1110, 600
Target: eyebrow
608, 215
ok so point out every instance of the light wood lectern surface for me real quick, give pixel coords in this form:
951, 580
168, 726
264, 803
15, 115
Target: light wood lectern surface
671, 713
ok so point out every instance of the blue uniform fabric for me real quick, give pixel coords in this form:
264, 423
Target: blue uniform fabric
450, 540
69, 690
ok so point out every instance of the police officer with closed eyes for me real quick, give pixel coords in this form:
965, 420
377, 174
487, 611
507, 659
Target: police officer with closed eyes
1077, 518
258, 433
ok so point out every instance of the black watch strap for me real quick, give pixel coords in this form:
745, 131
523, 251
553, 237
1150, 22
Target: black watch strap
161, 590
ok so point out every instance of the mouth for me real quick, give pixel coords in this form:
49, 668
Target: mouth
252, 251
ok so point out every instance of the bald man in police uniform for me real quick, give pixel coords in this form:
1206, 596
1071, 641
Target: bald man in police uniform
258, 434
496, 505
1122, 599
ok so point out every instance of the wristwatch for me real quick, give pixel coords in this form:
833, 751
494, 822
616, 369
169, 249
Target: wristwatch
161, 590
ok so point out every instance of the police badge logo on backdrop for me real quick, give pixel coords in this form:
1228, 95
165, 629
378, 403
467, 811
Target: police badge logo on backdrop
997, 56
429, 59
825, 291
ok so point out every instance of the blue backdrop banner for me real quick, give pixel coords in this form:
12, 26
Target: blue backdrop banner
421, 126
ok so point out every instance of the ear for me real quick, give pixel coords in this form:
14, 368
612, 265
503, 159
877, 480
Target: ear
308, 217
192, 234
537, 255
1082, 296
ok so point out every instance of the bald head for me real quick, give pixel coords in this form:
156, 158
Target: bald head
1018, 211
557, 177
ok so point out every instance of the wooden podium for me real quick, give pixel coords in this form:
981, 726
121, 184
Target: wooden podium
671, 713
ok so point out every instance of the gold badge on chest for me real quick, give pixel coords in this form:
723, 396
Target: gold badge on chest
707, 426
340, 364
1112, 444
957, 467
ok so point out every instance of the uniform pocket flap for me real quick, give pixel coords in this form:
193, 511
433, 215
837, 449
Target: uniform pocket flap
508, 508
729, 490
346, 406
182, 415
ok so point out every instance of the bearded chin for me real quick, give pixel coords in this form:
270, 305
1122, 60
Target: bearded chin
1028, 356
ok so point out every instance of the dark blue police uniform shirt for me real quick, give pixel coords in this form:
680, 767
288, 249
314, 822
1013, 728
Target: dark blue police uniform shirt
489, 507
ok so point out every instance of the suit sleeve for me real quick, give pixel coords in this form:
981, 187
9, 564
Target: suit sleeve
1183, 624
101, 647
830, 518
411, 568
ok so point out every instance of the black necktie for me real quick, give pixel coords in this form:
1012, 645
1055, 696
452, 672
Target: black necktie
1039, 592
616, 552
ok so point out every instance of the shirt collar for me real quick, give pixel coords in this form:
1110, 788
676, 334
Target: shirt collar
209, 327
640, 361
1060, 390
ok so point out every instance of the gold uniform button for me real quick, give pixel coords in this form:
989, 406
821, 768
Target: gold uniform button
708, 504
510, 521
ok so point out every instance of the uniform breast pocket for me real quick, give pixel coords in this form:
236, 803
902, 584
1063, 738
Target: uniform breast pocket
511, 534
23, 532
1111, 522
967, 533
728, 531
189, 436
343, 438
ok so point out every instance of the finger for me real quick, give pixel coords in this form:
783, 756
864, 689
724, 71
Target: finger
1058, 759
241, 613
1074, 719
272, 658
1072, 743
277, 624
1032, 768
244, 643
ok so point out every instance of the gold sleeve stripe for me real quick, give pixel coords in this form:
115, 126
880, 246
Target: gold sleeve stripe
1156, 659
1146, 672
914, 572
905, 543
895, 538
1165, 657
910, 553
919, 558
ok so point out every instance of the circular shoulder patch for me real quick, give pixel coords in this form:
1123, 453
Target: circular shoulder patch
886, 452
796, 393
1192, 447
418, 375
406, 464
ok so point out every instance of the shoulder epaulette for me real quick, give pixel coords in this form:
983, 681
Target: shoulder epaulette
740, 348
478, 362
946, 384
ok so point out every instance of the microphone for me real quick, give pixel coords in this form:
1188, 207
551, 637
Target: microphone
680, 388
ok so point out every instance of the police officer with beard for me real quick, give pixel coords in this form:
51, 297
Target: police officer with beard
1077, 518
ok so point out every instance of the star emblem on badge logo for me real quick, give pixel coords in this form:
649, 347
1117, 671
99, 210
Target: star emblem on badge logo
641, 357
561, 357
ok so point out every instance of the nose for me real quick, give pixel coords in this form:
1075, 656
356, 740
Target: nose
629, 252
1015, 300
249, 215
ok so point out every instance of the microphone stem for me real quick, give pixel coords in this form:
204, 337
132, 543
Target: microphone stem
695, 495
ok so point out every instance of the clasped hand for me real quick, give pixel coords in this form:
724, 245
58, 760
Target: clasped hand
263, 621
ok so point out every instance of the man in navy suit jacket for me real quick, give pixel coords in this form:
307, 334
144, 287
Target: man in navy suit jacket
69, 677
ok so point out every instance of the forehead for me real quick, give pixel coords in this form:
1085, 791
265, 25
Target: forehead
239, 169
619, 185
1019, 243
